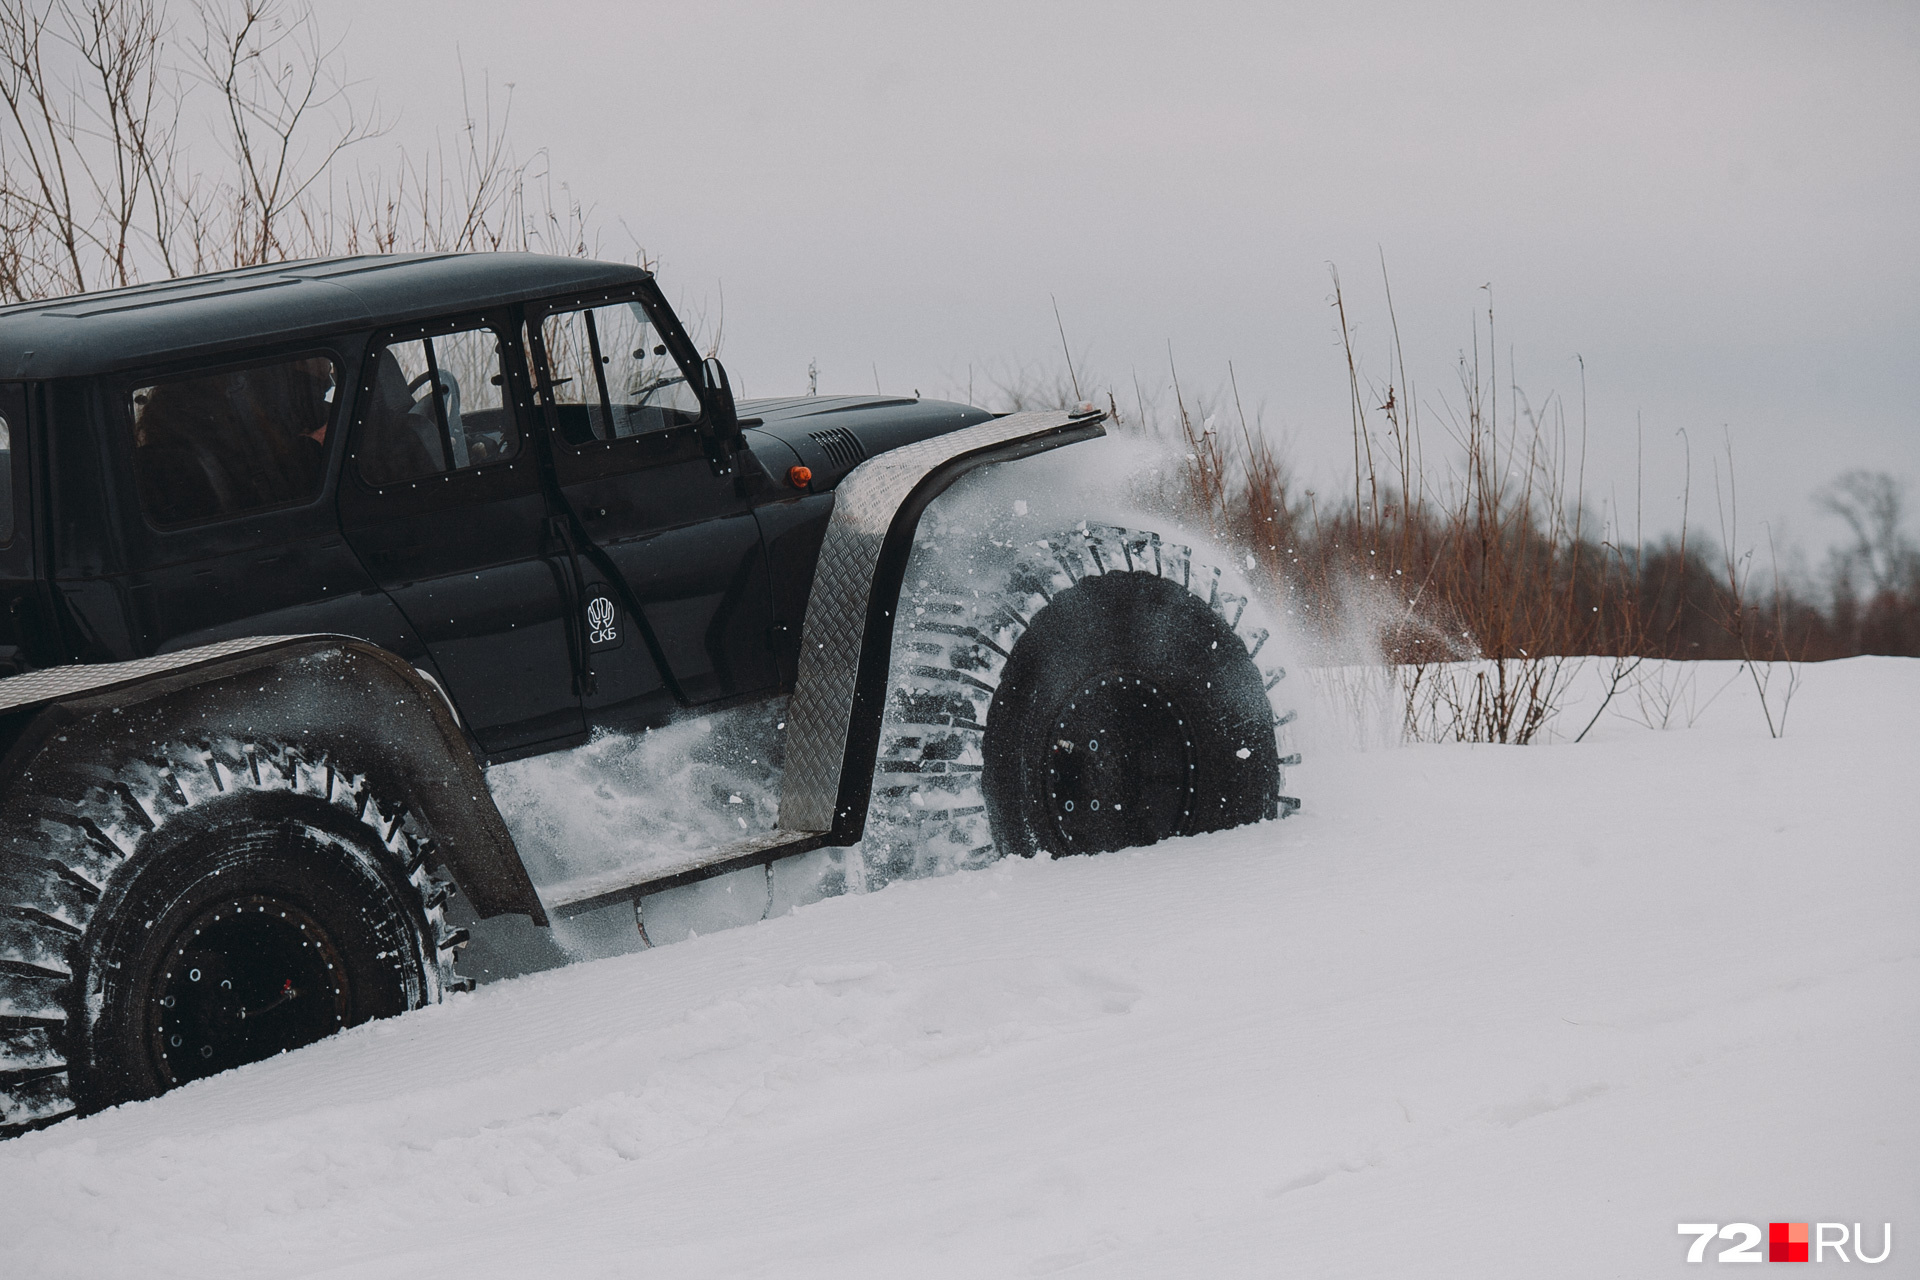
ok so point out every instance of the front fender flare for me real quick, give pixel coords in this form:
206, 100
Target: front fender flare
839, 699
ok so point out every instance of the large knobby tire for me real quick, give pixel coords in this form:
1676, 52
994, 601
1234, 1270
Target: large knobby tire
1099, 690
200, 909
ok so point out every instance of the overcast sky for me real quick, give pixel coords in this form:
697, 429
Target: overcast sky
1714, 204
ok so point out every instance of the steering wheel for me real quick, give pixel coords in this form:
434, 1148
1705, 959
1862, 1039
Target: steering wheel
451, 385
457, 435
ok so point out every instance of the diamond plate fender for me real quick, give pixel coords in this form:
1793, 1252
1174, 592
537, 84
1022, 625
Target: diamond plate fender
58, 683
833, 724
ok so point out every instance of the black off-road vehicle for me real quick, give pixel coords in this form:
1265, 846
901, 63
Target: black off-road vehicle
290, 555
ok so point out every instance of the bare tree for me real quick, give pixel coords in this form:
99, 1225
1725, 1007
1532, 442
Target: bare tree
1873, 504
288, 116
89, 156
103, 183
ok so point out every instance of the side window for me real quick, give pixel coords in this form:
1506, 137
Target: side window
223, 444
12, 418
437, 404
606, 376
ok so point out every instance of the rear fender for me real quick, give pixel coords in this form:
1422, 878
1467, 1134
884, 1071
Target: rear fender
367, 709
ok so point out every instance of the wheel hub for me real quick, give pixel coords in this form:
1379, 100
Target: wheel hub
245, 979
1120, 766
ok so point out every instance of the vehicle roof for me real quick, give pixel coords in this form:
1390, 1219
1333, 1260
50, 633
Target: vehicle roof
200, 316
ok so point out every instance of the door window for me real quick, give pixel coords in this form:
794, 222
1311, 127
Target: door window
436, 405
604, 375
241, 440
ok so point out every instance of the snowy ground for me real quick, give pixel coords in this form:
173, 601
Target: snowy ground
1477, 1012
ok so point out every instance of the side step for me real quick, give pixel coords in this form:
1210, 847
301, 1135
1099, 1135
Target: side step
588, 893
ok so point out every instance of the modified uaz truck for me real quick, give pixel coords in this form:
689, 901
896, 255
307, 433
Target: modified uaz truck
290, 555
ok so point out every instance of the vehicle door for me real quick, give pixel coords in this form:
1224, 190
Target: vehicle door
443, 502
669, 539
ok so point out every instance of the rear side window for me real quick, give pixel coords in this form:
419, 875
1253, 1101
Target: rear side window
213, 445
435, 405
12, 418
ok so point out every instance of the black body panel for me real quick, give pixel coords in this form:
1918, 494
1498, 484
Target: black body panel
679, 545
830, 436
834, 434
473, 576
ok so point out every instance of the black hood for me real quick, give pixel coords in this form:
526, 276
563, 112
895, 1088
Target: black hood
832, 435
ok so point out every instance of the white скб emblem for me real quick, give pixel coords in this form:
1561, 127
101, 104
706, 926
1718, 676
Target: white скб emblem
600, 618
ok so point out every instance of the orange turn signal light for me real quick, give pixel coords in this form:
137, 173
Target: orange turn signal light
799, 477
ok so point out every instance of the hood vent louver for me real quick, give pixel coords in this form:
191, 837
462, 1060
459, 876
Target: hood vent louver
841, 446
